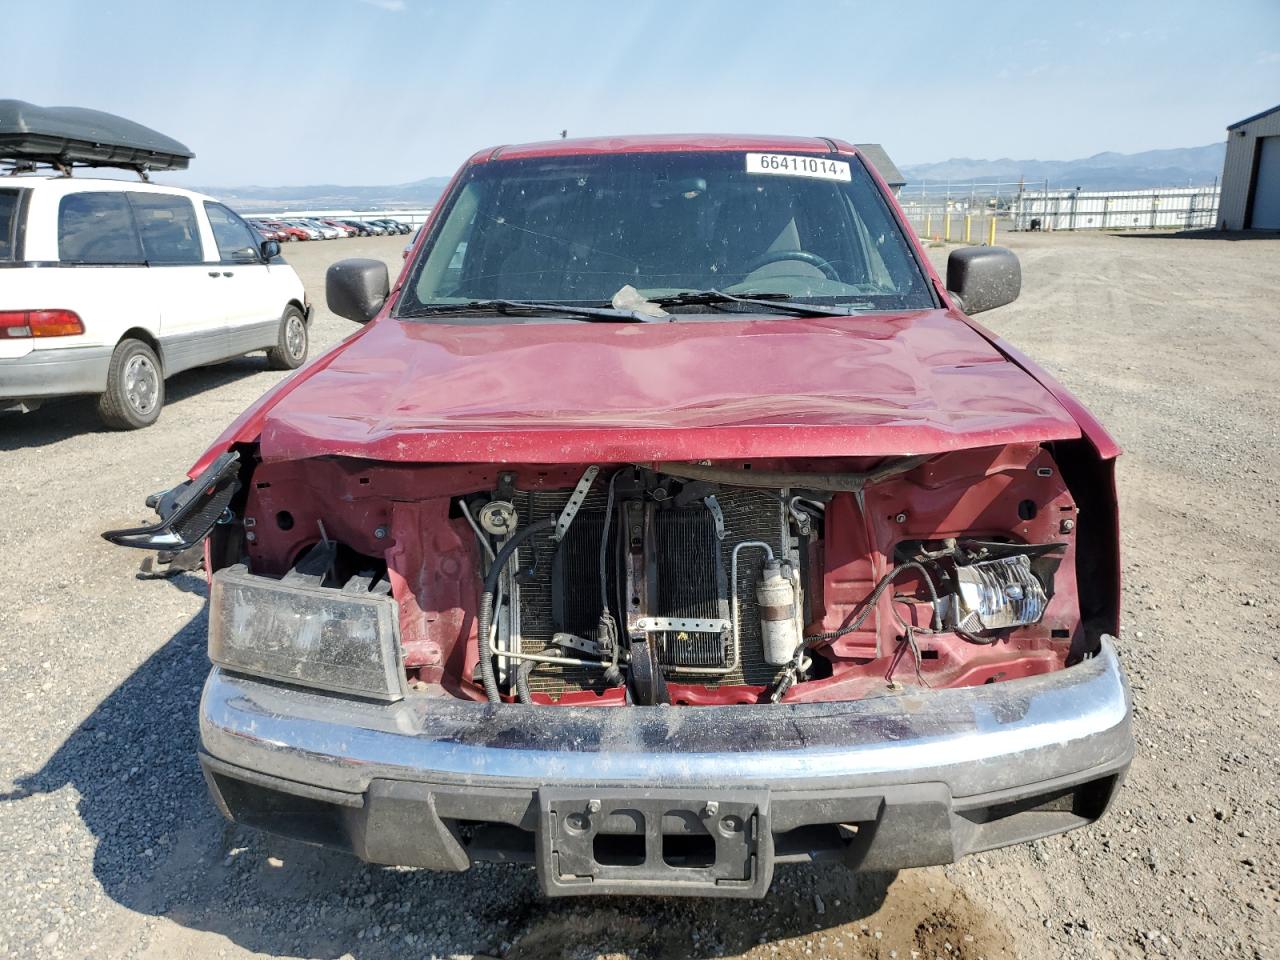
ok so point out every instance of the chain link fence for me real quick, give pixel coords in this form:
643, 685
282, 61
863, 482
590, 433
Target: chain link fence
959, 212
1167, 208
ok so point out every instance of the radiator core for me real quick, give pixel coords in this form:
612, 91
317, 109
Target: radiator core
558, 589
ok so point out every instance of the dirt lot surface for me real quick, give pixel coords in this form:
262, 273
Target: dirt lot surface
109, 847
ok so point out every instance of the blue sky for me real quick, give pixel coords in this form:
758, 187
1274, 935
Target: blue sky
386, 91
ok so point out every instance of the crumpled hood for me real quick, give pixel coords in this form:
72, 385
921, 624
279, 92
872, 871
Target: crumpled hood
912, 383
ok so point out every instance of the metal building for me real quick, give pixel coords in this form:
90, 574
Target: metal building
1251, 174
879, 159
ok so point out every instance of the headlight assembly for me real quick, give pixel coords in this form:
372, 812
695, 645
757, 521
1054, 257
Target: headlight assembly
998, 594
305, 634
993, 585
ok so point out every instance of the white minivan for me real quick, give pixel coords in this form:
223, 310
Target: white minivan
108, 287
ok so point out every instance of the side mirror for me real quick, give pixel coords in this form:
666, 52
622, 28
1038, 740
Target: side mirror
270, 249
983, 278
357, 288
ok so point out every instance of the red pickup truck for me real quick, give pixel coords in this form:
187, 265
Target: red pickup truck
668, 520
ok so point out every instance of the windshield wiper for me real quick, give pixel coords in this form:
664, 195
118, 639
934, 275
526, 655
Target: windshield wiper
772, 301
508, 307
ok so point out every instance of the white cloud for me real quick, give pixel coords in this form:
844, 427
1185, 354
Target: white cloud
1269, 56
391, 6
1116, 36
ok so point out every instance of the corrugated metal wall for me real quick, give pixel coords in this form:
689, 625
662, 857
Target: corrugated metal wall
1237, 171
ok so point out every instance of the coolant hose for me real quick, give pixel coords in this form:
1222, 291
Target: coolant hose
484, 617
522, 671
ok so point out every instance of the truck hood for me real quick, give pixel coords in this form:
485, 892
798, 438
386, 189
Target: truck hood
887, 384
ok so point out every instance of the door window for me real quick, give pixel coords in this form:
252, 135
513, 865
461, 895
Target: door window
97, 228
236, 240
167, 225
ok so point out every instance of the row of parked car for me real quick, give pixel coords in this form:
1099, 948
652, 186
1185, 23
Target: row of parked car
313, 228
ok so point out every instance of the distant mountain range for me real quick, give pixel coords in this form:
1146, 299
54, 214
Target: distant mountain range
1103, 171
1192, 166
419, 193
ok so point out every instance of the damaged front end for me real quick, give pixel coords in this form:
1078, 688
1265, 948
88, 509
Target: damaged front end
682, 583
898, 660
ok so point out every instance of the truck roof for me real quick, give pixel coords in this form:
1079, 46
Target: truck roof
664, 143
874, 153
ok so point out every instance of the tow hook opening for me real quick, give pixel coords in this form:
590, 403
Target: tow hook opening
689, 850
618, 849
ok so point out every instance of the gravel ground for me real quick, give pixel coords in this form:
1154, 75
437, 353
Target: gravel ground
109, 847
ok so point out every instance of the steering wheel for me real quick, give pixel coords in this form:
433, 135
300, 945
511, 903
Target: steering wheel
804, 256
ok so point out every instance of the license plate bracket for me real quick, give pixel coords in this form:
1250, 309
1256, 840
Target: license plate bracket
671, 842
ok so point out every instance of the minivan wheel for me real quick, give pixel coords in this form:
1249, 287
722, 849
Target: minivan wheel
290, 351
135, 387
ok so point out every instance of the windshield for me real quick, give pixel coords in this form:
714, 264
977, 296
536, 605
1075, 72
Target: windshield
577, 229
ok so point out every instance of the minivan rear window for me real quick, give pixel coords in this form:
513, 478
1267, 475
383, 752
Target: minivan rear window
9, 224
167, 223
97, 228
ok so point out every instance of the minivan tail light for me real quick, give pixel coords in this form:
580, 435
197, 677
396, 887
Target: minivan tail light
40, 323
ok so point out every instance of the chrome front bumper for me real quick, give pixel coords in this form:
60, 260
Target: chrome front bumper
930, 776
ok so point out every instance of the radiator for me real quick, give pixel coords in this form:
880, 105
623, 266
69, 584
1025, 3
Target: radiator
558, 588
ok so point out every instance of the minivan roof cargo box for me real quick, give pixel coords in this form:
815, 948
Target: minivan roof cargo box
65, 137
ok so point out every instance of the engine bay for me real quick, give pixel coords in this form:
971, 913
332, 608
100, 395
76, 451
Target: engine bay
693, 583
